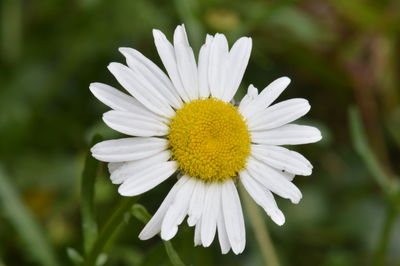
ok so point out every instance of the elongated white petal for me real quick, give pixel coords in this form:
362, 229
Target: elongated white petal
114, 98
112, 167
196, 203
147, 179
119, 101
282, 159
273, 180
153, 227
177, 210
136, 86
197, 234
124, 171
290, 134
217, 65
279, 114
203, 64
238, 59
128, 149
210, 213
233, 217
222, 234
252, 93
267, 96
167, 55
186, 62
135, 124
262, 197
153, 74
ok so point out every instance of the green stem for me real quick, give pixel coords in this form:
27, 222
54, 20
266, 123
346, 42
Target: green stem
89, 225
260, 230
111, 226
384, 238
140, 213
364, 151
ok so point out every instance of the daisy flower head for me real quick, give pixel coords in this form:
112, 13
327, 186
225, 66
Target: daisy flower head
184, 121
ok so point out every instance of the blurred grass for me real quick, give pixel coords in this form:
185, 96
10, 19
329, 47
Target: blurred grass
338, 53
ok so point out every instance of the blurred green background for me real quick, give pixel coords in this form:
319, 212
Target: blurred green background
338, 53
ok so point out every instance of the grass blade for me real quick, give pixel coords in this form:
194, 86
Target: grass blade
89, 224
25, 225
140, 213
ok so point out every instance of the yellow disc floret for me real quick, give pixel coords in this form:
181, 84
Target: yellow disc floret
209, 139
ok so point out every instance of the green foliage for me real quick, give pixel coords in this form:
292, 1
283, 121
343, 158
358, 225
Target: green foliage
25, 225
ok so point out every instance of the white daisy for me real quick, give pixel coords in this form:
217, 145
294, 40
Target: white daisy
185, 122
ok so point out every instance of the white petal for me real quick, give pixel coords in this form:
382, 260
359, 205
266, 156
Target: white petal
186, 62
282, 159
203, 64
279, 114
197, 234
262, 197
196, 203
217, 65
114, 98
252, 93
177, 210
267, 96
289, 134
273, 180
167, 55
210, 213
119, 101
136, 86
153, 227
134, 124
147, 179
128, 149
124, 171
114, 166
222, 234
237, 63
153, 74
233, 216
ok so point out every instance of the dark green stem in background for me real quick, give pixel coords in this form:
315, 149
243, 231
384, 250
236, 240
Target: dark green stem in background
363, 149
140, 213
89, 225
111, 226
380, 253
388, 184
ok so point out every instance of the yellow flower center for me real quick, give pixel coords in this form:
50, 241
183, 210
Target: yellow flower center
209, 139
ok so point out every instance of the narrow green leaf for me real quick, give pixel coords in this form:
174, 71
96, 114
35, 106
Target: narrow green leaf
89, 224
24, 223
141, 213
361, 145
111, 226
74, 256
102, 259
172, 254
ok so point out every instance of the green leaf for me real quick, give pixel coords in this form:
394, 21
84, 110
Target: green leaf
361, 146
24, 223
172, 254
102, 259
74, 256
141, 213
89, 224
111, 226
